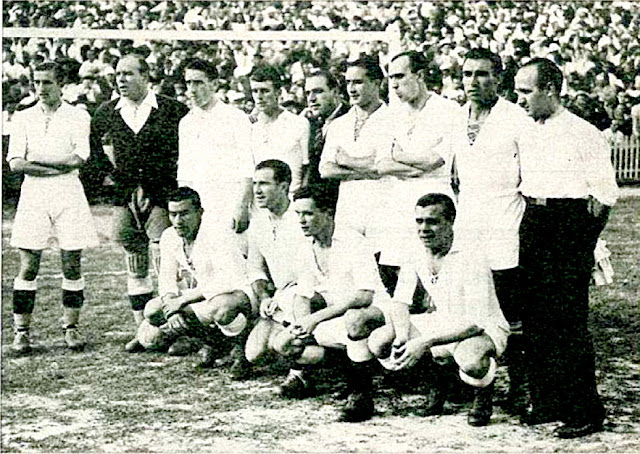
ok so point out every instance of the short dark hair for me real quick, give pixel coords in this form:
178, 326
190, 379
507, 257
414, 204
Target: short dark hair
58, 71
439, 199
485, 54
281, 170
549, 74
319, 194
332, 83
185, 193
268, 73
208, 68
370, 63
417, 60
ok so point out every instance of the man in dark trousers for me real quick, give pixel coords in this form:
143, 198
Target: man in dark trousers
569, 186
143, 128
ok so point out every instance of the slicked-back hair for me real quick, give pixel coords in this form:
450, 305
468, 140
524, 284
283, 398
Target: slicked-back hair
486, 54
370, 64
143, 66
208, 68
55, 68
324, 201
548, 74
439, 199
185, 193
281, 170
268, 73
332, 83
417, 60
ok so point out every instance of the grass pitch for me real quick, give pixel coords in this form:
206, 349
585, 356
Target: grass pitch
104, 400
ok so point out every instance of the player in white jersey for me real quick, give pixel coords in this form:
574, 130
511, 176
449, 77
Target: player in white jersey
277, 133
202, 284
214, 152
350, 149
458, 316
49, 143
419, 159
341, 272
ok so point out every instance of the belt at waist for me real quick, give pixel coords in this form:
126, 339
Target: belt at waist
552, 202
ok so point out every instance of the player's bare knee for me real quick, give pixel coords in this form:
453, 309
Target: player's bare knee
476, 367
356, 323
380, 340
153, 312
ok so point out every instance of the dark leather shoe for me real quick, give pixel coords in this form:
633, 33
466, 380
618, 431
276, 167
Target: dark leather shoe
241, 369
434, 403
535, 417
359, 408
133, 346
183, 346
577, 431
208, 357
482, 407
296, 386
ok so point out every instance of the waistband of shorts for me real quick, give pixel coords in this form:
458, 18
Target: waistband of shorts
549, 202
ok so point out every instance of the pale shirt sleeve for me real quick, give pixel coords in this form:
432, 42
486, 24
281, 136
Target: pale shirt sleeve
306, 270
80, 132
256, 264
18, 138
183, 160
223, 271
406, 286
330, 146
242, 131
304, 140
168, 274
363, 265
599, 172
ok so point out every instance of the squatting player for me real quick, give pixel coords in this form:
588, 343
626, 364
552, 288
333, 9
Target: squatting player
459, 315
341, 271
49, 143
201, 285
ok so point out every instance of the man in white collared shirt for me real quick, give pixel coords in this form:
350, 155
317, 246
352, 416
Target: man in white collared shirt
215, 156
277, 133
490, 206
49, 143
143, 128
569, 185
419, 157
350, 149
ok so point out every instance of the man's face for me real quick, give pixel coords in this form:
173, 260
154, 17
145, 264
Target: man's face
313, 221
405, 83
131, 83
265, 96
321, 100
363, 92
534, 100
434, 230
479, 81
266, 191
185, 218
200, 89
47, 88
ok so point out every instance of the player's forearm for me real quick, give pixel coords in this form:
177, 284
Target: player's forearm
447, 335
365, 164
400, 319
394, 168
333, 170
192, 295
33, 168
65, 163
362, 298
260, 288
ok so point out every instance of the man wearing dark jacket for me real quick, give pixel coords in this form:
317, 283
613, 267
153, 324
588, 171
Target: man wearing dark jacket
143, 128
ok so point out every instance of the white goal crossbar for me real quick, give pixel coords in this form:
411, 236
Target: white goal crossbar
200, 35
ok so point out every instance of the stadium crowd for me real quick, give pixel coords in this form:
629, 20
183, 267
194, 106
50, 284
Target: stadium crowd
412, 234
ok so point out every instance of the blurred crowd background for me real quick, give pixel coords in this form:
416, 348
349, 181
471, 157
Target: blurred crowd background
597, 44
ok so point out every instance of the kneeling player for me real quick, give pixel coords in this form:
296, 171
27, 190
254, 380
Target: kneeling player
202, 284
462, 319
341, 271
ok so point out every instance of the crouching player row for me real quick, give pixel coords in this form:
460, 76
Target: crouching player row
202, 287
444, 309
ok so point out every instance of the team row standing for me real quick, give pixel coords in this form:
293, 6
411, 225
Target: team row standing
428, 296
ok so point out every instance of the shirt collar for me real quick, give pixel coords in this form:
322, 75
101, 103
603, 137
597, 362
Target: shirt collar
149, 100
